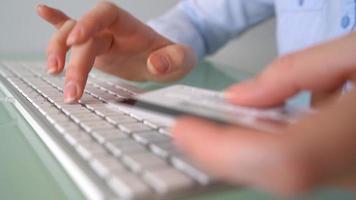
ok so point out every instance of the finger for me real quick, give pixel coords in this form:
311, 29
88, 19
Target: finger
171, 62
56, 17
244, 157
237, 155
251, 158
82, 59
102, 16
317, 69
57, 48
315, 152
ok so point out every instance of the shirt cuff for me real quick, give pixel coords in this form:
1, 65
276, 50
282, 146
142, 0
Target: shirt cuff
176, 26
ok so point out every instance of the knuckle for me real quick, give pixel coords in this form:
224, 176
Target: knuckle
90, 43
84, 24
59, 39
107, 5
68, 25
56, 43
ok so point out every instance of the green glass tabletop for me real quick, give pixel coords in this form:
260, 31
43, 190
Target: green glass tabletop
29, 171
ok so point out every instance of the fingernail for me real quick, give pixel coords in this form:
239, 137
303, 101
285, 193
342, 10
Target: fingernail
52, 63
74, 36
161, 64
51, 71
70, 92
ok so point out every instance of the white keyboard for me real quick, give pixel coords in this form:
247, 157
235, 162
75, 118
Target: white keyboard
110, 154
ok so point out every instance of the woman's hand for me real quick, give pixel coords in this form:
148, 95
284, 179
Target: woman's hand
114, 41
319, 150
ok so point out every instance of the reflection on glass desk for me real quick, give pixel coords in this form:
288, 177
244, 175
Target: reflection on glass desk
29, 171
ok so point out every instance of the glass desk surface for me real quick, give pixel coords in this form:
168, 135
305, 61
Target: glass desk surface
29, 171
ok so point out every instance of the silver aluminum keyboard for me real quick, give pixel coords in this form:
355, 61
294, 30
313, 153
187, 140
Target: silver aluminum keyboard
121, 155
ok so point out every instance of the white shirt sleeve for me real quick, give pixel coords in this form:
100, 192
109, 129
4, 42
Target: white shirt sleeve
207, 25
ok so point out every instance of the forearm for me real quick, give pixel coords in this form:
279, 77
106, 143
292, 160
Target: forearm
206, 25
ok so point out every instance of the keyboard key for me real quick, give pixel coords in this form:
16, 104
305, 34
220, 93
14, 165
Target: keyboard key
165, 131
121, 146
55, 117
96, 125
129, 186
168, 180
88, 99
121, 119
114, 90
89, 149
120, 93
187, 167
103, 110
74, 109
142, 161
134, 127
78, 136
164, 149
146, 138
104, 165
66, 126
106, 135
85, 117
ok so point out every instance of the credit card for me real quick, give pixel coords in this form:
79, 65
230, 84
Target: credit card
178, 100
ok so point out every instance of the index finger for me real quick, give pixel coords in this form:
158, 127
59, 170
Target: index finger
321, 68
54, 16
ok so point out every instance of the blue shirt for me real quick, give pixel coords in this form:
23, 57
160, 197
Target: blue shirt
206, 25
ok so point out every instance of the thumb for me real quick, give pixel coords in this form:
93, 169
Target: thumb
257, 93
170, 62
322, 68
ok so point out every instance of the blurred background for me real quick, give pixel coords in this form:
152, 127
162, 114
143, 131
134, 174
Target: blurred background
24, 33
